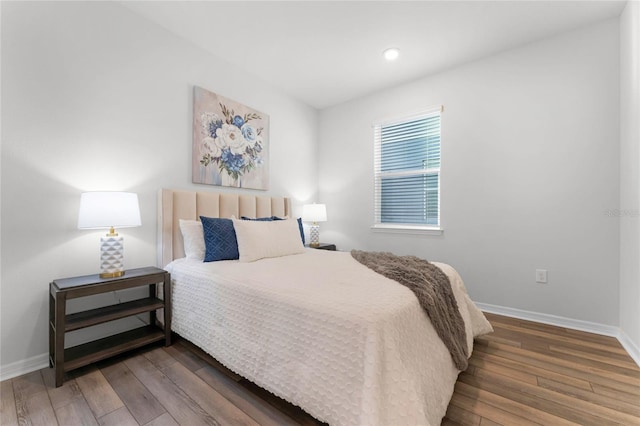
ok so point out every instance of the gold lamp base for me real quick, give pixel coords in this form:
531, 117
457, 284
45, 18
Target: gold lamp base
111, 274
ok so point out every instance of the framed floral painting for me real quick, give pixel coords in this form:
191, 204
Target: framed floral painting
230, 142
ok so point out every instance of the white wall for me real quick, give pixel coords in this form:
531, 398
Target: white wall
96, 98
530, 159
630, 173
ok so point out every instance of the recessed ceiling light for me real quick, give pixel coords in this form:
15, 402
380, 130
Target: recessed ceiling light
391, 54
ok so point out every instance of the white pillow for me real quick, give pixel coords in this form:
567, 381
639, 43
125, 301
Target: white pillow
262, 239
193, 238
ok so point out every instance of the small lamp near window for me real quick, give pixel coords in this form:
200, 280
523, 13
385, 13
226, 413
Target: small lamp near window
108, 210
314, 213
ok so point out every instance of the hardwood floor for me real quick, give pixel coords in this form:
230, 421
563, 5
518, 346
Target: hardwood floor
524, 373
530, 373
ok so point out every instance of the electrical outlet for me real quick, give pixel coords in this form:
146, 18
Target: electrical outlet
541, 276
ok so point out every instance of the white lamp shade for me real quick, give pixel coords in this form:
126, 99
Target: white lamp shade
314, 213
99, 210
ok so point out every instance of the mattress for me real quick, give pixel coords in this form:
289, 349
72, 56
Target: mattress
323, 332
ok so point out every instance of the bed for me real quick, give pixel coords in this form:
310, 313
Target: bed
315, 328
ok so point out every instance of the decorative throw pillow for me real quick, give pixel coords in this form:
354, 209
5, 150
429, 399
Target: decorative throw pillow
263, 239
299, 225
193, 238
219, 239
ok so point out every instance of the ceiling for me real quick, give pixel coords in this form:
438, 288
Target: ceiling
328, 52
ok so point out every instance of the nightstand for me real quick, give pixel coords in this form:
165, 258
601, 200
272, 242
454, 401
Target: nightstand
60, 322
324, 246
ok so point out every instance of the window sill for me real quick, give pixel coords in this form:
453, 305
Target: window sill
407, 229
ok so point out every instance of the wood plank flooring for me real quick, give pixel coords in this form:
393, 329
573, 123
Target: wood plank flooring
524, 373
532, 373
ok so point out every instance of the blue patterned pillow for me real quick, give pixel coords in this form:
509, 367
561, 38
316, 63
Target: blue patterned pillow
219, 239
260, 219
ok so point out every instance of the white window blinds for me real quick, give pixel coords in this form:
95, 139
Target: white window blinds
407, 170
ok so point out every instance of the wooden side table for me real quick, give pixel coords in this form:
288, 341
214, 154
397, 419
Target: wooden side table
60, 322
325, 246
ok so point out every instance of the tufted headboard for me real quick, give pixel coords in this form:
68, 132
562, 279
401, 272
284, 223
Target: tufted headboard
174, 205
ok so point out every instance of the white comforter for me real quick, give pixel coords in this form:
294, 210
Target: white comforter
324, 332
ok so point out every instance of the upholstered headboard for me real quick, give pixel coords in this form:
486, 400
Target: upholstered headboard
174, 205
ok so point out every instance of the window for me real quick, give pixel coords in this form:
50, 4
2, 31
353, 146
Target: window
407, 172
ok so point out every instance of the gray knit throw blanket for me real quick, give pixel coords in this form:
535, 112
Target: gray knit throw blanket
433, 290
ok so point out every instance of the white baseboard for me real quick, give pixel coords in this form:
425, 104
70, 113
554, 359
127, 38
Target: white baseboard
629, 346
574, 324
24, 366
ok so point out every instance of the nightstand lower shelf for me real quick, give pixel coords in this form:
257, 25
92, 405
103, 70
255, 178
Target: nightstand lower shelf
110, 313
88, 353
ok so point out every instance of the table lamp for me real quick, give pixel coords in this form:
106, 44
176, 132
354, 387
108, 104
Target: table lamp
109, 210
314, 213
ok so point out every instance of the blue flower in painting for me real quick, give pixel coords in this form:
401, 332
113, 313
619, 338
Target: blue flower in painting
238, 121
257, 147
248, 132
232, 162
213, 127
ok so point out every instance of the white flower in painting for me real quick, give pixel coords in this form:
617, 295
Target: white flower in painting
211, 122
209, 146
230, 136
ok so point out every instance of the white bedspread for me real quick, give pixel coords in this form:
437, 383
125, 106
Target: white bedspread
324, 332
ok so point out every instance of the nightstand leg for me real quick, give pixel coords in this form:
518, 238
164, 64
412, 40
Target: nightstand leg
58, 351
166, 287
52, 334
